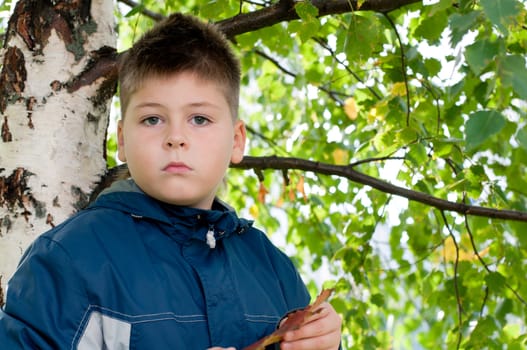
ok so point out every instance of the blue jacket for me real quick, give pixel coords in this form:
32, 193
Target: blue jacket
132, 273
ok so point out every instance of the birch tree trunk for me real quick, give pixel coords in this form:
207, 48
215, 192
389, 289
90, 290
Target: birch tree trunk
56, 85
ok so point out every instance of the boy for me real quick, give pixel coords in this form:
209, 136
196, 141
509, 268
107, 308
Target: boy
157, 262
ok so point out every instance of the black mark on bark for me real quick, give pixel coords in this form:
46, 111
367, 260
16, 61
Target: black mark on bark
15, 195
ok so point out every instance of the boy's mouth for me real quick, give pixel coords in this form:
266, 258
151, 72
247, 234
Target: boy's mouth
176, 167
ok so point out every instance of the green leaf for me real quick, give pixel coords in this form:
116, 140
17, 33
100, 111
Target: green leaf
363, 37
309, 25
433, 66
442, 148
306, 11
501, 12
417, 154
432, 27
406, 136
135, 10
377, 299
218, 8
111, 151
480, 336
460, 24
495, 281
480, 126
522, 138
513, 72
480, 54
305, 29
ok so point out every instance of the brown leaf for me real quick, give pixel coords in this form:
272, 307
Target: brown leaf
262, 192
294, 321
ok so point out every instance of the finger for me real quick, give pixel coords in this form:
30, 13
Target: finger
322, 311
321, 332
329, 341
314, 328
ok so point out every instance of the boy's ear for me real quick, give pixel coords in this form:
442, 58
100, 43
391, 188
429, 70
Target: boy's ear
240, 136
120, 142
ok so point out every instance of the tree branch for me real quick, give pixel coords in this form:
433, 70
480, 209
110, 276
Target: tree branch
284, 11
279, 163
287, 163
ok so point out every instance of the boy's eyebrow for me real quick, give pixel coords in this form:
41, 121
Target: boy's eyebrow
148, 104
203, 104
192, 104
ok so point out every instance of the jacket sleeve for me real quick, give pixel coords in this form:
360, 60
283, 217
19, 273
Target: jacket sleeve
44, 300
293, 288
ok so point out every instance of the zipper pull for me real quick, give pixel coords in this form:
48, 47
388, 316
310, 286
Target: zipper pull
211, 240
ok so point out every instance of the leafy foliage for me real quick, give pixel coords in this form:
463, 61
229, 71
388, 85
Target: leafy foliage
429, 98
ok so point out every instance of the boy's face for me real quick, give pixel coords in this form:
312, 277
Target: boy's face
178, 138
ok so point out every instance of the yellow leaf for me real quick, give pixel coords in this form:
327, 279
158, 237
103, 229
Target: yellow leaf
314, 117
449, 252
372, 115
449, 249
350, 108
254, 211
340, 156
399, 89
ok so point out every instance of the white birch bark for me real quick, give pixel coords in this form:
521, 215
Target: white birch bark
52, 145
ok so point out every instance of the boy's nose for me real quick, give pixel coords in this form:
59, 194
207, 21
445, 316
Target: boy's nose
175, 141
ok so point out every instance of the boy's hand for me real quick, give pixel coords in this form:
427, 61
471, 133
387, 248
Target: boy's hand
321, 332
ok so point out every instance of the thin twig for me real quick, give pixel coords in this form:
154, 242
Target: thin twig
332, 94
485, 265
403, 67
484, 302
375, 159
150, 14
456, 286
437, 104
355, 75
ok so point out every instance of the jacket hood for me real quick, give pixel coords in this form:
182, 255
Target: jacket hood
182, 223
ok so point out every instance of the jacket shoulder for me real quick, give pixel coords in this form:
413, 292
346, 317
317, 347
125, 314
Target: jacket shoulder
86, 222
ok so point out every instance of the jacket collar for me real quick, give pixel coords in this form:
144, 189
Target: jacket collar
182, 223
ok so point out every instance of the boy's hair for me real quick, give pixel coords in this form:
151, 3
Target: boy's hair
176, 44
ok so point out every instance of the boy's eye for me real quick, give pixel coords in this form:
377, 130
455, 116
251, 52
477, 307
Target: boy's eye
200, 120
152, 120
